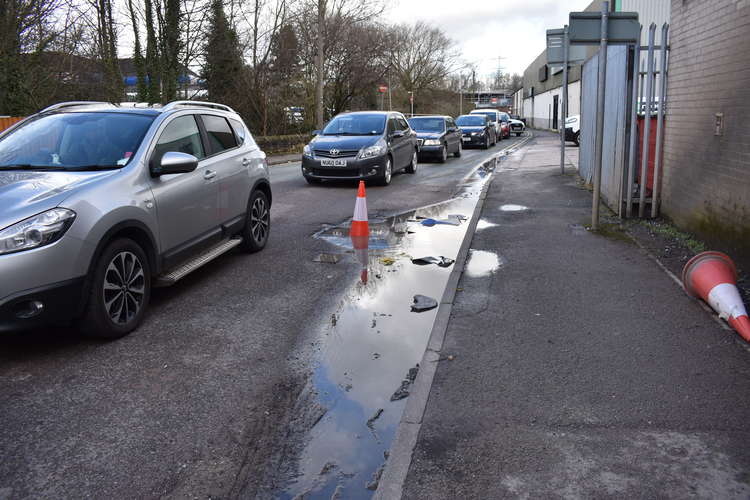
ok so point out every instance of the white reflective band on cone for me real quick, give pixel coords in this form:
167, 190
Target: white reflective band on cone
726, 301
360, 209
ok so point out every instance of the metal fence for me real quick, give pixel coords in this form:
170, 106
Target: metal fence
632, 145
615, 116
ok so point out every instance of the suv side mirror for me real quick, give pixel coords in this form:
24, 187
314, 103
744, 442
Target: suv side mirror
397, 133
174, 162
451, 129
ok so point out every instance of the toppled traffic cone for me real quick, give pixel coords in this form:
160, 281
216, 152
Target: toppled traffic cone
360, 230
712, 276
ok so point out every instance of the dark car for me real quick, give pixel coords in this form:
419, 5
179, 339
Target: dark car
369, 145
438, 137
476, 130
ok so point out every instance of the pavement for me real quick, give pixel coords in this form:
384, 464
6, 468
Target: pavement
189, 405
572, 365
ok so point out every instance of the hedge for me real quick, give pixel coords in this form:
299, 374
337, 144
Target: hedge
277, 144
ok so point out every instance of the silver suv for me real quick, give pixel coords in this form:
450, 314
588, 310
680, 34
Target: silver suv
99, 202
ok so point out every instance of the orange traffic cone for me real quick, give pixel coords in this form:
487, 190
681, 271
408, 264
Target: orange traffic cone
360, 230
712, 276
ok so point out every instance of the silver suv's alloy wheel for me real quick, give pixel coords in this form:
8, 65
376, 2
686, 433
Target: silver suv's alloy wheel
260, 220
388, 171
124, 288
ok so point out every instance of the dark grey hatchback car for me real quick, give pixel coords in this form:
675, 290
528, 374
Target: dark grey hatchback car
367, 145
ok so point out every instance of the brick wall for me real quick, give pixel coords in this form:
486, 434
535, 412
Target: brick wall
706, 181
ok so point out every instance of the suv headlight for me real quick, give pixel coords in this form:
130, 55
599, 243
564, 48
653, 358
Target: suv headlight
432, 142
377, 149
307, 151
36, 231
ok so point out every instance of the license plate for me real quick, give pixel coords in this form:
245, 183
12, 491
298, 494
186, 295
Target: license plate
332, 163
466, 139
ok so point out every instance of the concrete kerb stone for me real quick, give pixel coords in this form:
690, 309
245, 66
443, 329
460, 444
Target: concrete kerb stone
399, 459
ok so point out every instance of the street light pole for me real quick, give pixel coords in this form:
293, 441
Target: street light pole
411, 99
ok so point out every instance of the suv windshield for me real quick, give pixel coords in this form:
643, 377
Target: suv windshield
470, 121
74, 141
491, 114
427, 124
364, 124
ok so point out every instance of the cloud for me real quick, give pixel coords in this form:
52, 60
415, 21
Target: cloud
484, 31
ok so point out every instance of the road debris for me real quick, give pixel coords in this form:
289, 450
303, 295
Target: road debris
373, 485
423, 303
440, 261
387, 261
371, 420
327, 258
452, 220
403, 391
338, 493
328, 467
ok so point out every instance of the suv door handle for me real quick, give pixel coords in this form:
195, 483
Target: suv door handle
209, 174
245, 162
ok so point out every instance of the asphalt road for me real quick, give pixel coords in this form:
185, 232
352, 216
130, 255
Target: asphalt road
187, 405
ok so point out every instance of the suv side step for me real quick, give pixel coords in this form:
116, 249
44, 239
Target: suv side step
171, 277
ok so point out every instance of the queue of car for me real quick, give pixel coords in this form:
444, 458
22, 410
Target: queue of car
100, 190
373, 145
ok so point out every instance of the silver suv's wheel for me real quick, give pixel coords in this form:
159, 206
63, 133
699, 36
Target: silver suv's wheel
258, 222
457, 154
119, 290
123, 288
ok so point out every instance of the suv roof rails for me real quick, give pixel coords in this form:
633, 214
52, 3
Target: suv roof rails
130, 104
68, 104
203, 104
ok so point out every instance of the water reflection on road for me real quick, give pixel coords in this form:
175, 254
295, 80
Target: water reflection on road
369, 345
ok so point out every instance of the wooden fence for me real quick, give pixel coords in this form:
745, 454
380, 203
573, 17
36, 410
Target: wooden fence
7, 121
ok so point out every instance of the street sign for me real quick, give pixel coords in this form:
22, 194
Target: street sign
382, 89
556, 49
585, 28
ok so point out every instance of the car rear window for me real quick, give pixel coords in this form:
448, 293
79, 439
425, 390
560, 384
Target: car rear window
427, 124
491, 114
471, 121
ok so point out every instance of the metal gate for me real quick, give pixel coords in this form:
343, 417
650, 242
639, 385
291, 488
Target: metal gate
615, 117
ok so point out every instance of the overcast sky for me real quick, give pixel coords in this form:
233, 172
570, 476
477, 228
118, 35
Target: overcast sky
487, 29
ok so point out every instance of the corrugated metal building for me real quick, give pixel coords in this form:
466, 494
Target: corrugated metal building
542, 88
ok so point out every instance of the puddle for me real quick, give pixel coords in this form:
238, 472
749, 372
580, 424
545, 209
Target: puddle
482, 263
485, 224
513, 208
369, 351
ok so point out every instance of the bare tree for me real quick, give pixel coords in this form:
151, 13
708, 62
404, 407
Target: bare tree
423, 57
330, 17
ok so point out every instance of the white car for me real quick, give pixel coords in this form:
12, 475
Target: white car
495, 118
517, 126
573, 129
